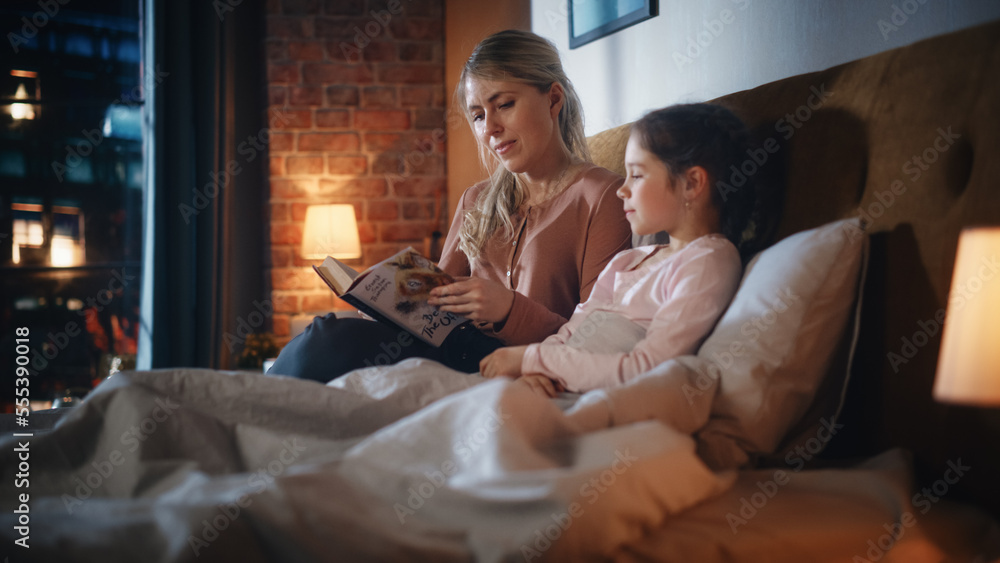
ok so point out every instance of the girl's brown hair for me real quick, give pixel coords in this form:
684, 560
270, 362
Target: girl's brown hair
710, 136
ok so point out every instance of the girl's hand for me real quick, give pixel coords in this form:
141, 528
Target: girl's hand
505, 361
482, 301
541, 385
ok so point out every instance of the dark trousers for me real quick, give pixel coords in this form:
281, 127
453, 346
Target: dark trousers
330, 347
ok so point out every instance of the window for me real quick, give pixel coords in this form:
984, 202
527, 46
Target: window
71, 190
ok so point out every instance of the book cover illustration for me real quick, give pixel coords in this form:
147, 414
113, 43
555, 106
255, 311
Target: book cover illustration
395, 291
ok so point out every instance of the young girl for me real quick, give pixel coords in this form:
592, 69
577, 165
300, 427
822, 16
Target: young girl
653, 303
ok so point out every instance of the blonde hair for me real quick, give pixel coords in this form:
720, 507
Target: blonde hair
513, 56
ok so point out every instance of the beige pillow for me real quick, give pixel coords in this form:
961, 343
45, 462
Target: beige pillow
779, 339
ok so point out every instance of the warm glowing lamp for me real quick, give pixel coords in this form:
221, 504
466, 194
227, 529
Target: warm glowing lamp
331, 230
969, 366
24, 80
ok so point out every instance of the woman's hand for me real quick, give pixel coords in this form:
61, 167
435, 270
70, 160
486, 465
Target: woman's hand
541, 385
482, 301
505, 361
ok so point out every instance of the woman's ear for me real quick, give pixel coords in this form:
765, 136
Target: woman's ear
557, 97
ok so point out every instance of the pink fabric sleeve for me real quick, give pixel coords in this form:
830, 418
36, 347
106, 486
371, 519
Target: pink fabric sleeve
659, 394
606, 235
528, 321
695, 296
600, 293
453, 260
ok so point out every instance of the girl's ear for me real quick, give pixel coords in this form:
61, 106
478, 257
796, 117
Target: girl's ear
696, 181
557, 97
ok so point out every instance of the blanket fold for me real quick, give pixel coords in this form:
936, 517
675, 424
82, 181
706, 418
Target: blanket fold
410, 461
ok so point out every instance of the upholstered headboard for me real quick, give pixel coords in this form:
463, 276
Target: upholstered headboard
908, 139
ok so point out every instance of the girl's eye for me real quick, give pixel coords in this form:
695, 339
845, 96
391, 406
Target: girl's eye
477, 117
507, 105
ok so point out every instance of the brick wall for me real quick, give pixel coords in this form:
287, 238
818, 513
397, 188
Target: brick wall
357, 104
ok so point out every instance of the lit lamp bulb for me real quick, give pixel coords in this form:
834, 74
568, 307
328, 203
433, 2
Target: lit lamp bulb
331, 230
22, 111
969, 365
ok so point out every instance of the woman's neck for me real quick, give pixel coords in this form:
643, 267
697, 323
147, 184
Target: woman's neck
544, 185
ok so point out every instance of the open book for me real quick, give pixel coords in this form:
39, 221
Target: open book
395, 291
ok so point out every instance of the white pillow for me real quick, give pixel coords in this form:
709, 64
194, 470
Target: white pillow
778, 339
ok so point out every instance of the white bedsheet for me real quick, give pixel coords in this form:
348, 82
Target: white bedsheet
414, 462
419, 463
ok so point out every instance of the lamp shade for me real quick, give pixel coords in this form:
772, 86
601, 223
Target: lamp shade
331, 230
969, 365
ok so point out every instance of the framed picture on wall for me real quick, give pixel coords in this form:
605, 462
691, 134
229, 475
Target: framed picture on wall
590, 20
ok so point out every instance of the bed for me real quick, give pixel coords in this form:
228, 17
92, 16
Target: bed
790, 436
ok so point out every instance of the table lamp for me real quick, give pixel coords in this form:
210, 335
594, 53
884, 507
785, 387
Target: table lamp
969, 365
331, 230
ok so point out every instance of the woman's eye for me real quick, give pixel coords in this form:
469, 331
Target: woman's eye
507, 105
477, 117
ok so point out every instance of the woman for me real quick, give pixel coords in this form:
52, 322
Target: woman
526, 245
